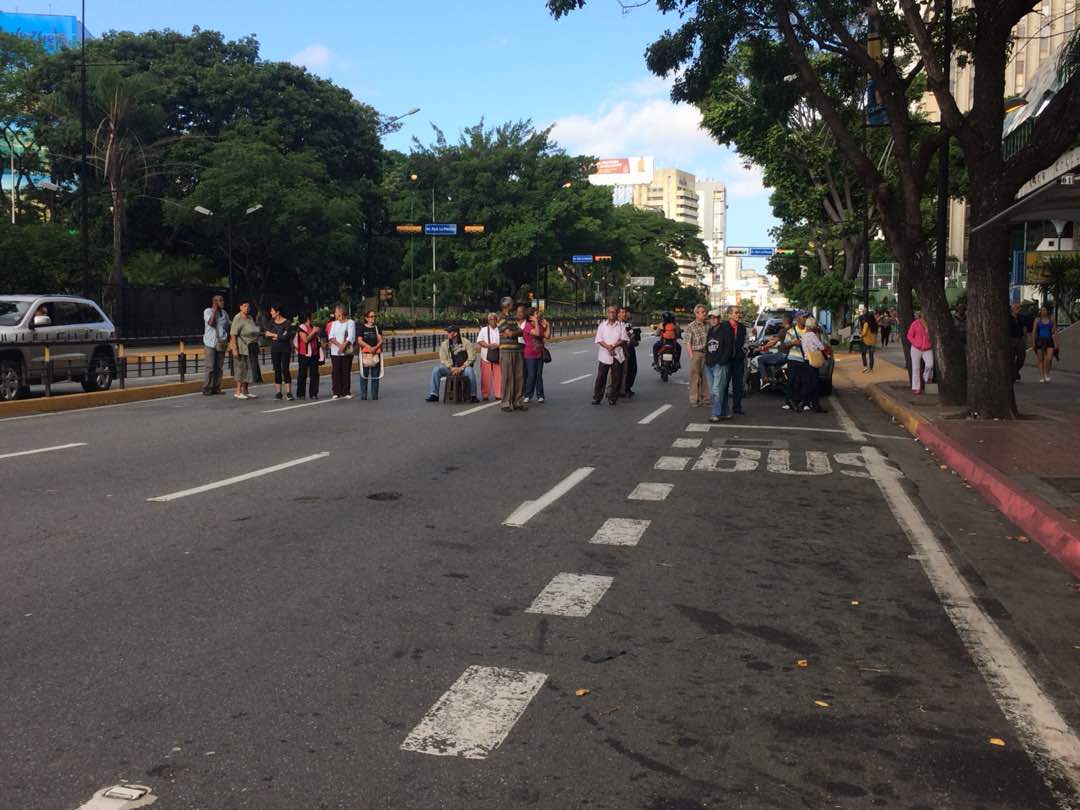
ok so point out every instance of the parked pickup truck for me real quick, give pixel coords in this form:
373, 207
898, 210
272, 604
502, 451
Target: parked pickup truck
78, 335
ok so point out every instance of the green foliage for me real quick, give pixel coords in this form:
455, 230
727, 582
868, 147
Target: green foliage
1062, 283
829, 292
38, 258
154, 267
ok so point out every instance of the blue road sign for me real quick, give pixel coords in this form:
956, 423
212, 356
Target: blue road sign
762, 251
440, 229
582, 259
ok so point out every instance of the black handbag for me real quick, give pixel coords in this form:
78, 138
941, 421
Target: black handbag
547, 355
493, 356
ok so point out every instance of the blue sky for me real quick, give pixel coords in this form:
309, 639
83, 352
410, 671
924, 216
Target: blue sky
497, 59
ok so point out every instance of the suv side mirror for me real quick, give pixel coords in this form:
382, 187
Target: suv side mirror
42, 320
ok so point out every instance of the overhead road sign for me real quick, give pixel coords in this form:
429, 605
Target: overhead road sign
642, 281
441, 229
601, 258
750, 252
474, 230
581, 258
408, 229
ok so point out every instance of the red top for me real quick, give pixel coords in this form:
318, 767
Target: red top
918, 336
534, 345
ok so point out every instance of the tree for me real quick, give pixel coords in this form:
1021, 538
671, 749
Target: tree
1062, 283
830, 292
913, 36
17, 56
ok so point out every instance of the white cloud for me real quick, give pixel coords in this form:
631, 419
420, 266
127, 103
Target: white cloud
314, 57
743, 181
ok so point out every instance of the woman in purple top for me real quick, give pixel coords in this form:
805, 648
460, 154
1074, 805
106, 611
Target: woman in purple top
536, 330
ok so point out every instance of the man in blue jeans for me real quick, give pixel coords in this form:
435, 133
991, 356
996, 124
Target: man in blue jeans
724, 360
456, 357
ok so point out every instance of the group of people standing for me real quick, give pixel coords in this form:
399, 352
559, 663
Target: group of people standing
616, 369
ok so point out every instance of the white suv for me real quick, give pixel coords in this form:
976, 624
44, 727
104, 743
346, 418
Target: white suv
76, 331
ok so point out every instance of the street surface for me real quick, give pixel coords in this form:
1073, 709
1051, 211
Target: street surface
282, 605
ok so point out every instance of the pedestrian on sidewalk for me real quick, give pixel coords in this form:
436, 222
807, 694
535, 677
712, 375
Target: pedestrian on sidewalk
1044, 343
281, 333
885, 323
610, 357
922, 352
342, 345
696, 336
535, 332
633, 339
511, 361
369, 337
814, 350
1018, 332
868, 331
488, 341
243, 334
456, 358
216, 323
306, 343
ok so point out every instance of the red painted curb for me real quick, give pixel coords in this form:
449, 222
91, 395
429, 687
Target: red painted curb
1038, 519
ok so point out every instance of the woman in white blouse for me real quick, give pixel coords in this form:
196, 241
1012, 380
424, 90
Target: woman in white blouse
811, 347
488, 338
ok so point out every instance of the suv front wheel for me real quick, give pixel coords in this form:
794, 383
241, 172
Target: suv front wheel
11, 384
100, 375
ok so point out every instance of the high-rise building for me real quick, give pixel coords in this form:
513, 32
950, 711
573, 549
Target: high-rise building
712, 220
672, 193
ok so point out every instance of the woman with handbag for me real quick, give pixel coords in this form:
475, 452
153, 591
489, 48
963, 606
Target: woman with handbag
488, 341
342, 333
814, 351
371, 367
536, 329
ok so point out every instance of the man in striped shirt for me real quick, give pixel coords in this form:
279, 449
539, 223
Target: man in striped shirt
511, 360
695, 336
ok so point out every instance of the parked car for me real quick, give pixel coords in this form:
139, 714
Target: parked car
75, 329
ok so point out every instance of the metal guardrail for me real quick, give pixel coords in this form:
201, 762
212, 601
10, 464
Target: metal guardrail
180, 364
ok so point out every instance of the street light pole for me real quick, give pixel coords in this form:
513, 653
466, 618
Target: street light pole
84, 234
433, 289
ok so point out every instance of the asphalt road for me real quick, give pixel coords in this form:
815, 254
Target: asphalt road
354, 630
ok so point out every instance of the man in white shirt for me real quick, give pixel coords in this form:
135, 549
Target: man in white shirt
342, 339
610, 336
216, 324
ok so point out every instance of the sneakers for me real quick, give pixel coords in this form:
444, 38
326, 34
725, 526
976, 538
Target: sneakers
787, 405
278, 395
1048, 378
348, 396
239, 396
714, 418
249, 395
526, 399
335, 396
539, 399
1042, 379
474, 400
432, 398
290, 397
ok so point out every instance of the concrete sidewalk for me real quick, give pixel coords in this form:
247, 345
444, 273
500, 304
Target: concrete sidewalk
1028, 468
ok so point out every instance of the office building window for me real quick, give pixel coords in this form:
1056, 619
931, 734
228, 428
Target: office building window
1021, 82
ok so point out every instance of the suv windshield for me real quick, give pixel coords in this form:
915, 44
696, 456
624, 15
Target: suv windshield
11, 312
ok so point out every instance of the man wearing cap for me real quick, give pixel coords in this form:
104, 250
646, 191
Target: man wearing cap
724, 362
456, 357
695, 336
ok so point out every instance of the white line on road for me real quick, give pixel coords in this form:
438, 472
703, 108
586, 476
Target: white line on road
44, 450
236, 479
686, 444
650, 491
1044, 733
576, 379
303, 405
479, 408
572, 595
662, 409
530, 509
120, 797
474, 716
581, 351
620, 532
671, 463
703, 427
846, 422
28, 416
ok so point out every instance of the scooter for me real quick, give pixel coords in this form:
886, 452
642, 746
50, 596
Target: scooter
666, 364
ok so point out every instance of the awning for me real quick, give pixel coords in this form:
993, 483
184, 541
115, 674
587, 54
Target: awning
1056, 200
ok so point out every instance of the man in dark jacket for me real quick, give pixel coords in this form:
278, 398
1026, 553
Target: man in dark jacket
724, 362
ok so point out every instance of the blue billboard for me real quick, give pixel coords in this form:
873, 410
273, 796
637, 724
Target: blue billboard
53, 31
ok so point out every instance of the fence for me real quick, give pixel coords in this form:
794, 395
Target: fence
187, 361
883, 275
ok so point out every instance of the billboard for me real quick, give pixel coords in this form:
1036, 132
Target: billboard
53, 31
624, 171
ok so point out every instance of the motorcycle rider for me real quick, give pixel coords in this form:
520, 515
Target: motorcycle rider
771, 353
669, 333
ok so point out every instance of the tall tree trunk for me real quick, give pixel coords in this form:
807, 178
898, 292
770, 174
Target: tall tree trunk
116, 275
990, 382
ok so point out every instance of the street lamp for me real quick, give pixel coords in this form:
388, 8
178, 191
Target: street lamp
206, 212
412, 252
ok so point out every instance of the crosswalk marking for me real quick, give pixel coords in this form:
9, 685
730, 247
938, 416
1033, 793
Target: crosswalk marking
620, 532
474, 716
648, 491
671, 463
688, 444
572, 595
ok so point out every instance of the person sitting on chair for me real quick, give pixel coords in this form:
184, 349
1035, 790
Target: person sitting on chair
456, 358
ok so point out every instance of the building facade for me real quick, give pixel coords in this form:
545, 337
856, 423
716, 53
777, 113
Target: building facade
673, 193
712, 222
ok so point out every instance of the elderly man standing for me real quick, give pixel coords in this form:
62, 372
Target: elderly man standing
695, 337
216, 324
610, 336
511, 360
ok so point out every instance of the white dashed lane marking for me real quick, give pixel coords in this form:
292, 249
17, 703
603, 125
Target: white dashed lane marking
236, 479
661, 410
43, 450
529, 509
687, 444
572, 595
576, 379
650, 492
620, 532
474, 716
479, 408
671, 463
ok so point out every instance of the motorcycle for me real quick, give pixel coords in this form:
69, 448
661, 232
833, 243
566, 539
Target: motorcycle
666, 363
775, 375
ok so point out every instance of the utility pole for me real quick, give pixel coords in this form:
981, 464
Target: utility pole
84, 235
433, 288
943, 156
